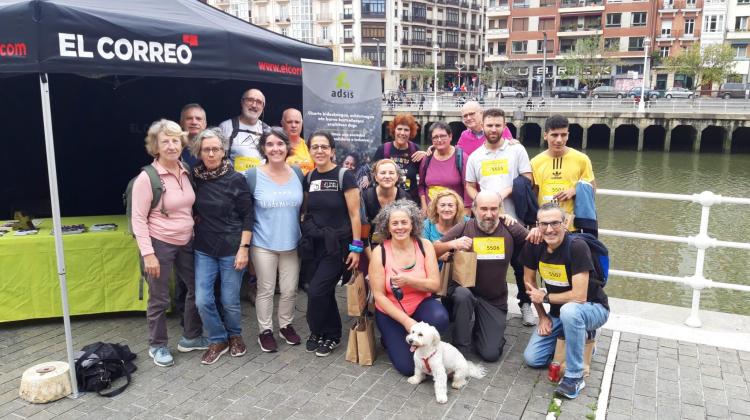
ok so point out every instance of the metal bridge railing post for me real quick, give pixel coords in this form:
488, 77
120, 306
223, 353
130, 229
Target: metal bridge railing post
702, 241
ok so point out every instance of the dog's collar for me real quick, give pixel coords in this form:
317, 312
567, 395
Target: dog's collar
425, 361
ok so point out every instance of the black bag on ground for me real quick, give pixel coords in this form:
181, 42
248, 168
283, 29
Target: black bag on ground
99, 364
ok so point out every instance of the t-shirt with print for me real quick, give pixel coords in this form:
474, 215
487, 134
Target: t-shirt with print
494, 251
277, 212
495, 170
555, 174
244, 153
409, 168
325, 199
557, 273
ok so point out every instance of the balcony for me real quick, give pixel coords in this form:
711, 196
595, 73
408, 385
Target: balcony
492, 58
422, 19
667, 8
324, 17
581, 6
521, 5
346, 16
261, 20
368, 14
439, 22
738, 34
687, 37
462, 46
405, 18
665, 37
579, 30
450, 44
452, 23
496, 11
347, 40
421, 42
284, 20
473, 27
452, 2
497, 33
472, 47
475, 5
465, 4
323, 41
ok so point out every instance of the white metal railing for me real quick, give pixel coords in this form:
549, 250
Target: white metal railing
701, 242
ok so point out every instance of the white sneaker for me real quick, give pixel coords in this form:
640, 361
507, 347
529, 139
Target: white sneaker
528, 315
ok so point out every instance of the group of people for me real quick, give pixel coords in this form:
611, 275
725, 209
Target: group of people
247, 194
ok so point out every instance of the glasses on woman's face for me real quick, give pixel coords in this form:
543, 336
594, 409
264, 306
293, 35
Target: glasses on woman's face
440, 137
544, 225
323, 147
210, 150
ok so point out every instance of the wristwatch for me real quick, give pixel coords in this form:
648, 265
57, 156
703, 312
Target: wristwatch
244, 245
546, 297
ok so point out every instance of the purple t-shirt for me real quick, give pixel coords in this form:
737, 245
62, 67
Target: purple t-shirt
443, 174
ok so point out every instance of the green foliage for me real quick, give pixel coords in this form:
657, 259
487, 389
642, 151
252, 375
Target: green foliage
712, 65
554, 407
362, 61
588, 61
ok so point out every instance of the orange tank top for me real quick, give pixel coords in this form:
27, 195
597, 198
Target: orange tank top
412, 297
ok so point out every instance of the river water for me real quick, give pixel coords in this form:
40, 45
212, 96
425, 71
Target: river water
680, 173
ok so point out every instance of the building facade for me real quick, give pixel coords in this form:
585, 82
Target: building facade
738, 36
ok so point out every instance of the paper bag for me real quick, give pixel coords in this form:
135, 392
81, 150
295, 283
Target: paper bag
588, 352
445, 278
356, 294
366, 341
464, 270
351, 345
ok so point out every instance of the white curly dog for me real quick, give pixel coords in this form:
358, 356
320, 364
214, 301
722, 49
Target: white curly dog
439, 359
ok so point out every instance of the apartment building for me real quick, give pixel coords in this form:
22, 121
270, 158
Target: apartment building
738, 36
681, 23
238, 8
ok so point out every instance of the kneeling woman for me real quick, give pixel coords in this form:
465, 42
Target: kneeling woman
403, 275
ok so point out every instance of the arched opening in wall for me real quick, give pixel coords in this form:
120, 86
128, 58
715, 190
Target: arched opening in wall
418, 137
626, 137
427, 127
385, 134
513, 130
532, 135
712, 139
457, 127
653, 138
575, 138
682, 138
598, 137
741, 140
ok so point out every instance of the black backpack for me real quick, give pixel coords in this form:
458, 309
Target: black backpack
599, 254
99, 364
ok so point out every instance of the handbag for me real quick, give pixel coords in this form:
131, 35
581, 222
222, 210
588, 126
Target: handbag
356, 294
464, 268
445, 278
366, 341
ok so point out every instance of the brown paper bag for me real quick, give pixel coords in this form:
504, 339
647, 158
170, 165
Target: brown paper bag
356, 294
445, 278
588, 352
366, 341
464, 270
351, 345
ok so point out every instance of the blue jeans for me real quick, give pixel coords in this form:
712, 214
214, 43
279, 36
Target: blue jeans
574, 321
206, 270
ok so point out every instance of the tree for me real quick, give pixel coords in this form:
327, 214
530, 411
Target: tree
588, 61
714, 64
362, 61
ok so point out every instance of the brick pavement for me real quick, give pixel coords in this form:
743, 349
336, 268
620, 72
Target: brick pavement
652, 377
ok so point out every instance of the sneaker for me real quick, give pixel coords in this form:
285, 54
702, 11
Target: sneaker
313, 342
189, 344
161, 355
267, 342
528, 315
237, 347
214, 352
326, 348
289, 335
570, 387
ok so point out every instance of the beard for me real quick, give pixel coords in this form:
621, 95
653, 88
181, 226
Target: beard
250, 114
487, 226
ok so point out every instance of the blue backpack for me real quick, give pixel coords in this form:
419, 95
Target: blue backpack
599, 254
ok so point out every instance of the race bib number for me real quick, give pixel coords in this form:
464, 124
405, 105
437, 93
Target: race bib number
489, 248
554, 274
495, 167
433, 191
243, 163
550, 189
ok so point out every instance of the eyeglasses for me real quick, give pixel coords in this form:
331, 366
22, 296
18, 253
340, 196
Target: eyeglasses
469, 114
440, 136
252, 101
323, 147
209, 150
544, 225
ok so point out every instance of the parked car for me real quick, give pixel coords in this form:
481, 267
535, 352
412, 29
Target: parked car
567, 92
679, 92
510, 92
733, 90
607, 92
650, 93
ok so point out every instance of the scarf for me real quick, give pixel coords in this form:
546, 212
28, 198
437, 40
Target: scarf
204, 174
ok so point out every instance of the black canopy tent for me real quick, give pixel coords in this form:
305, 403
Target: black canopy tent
113, 67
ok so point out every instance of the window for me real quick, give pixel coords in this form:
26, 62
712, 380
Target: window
740, 23
369, 32
740, 50
540, 46
635, 43
502, 24
614, 20
491, 48
567, 45
419, 12
519, 47
348, 32
612, 44
418, 33
547, 24
638, 19
502, 48
404, 57
666, 28
690, 3
417, 57
452, 15
520, 24
663, 52
713, 23
743, 1
373, 7
285, 31
689, 26
323, 32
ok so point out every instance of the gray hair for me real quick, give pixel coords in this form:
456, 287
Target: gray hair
405, 205
552, 206
195, 147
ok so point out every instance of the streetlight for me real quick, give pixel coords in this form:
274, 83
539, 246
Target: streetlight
460, 67
435, 49
642, 102
378, 47
544, 63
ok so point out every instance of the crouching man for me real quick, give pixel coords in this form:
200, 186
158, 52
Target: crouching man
573, 290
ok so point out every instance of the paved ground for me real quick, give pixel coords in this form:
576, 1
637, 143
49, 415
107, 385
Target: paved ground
652, 377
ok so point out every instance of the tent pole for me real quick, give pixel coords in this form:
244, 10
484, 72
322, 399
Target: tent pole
56, 223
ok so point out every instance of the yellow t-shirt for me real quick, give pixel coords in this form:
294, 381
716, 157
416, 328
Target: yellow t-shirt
554, 174
301, 157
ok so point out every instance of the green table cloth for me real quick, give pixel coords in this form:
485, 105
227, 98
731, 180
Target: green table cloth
103, 271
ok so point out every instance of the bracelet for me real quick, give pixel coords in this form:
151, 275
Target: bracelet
357, 249
357, 242
546, 297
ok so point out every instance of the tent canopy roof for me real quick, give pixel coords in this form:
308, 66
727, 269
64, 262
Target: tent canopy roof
167, 38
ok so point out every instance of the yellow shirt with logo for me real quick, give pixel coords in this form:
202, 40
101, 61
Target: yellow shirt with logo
555, 174
301, 157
